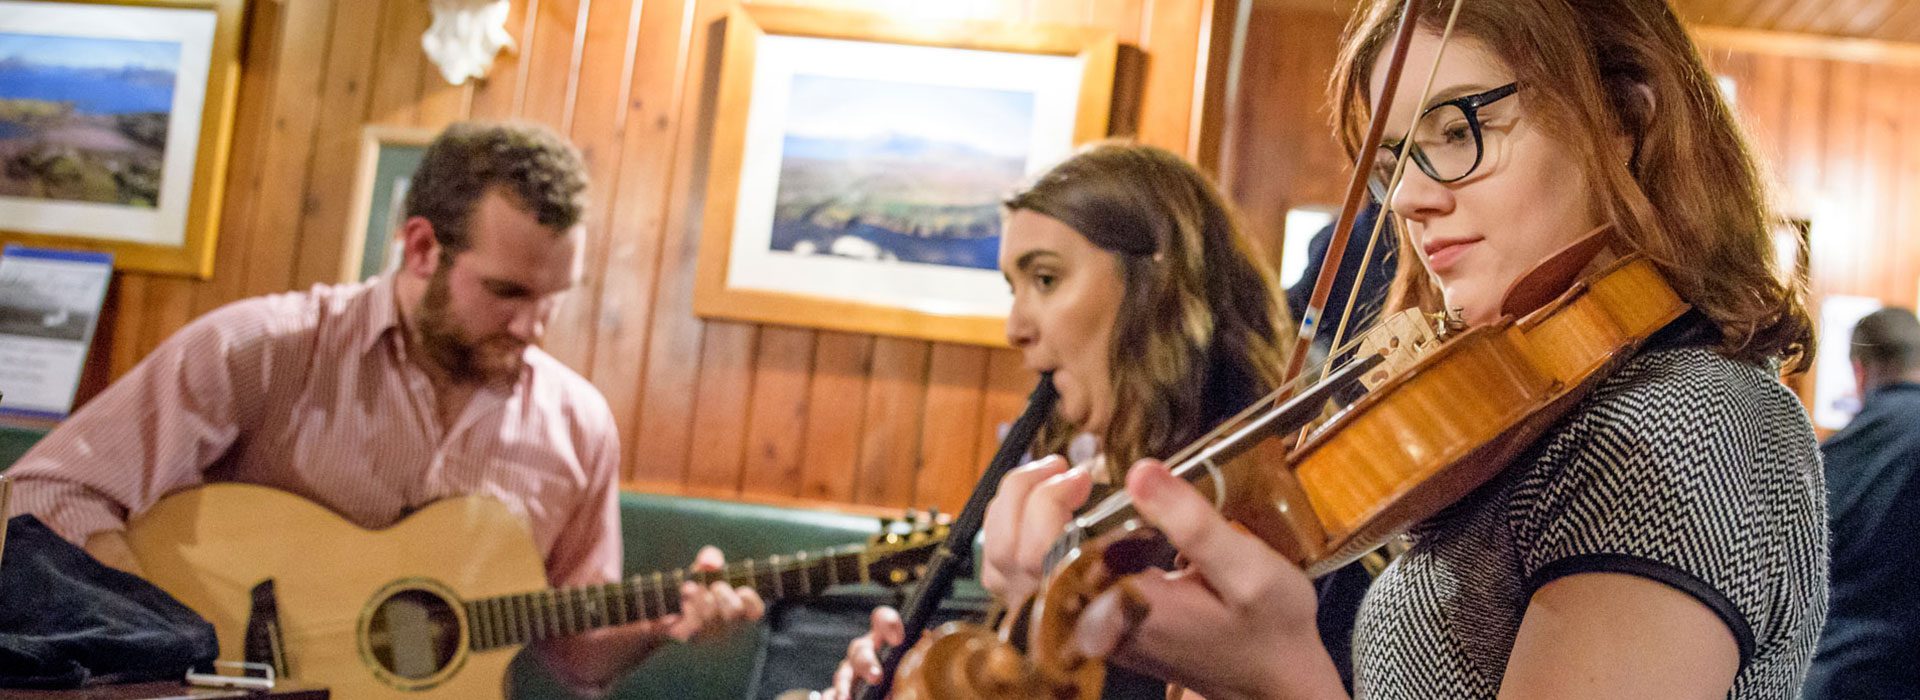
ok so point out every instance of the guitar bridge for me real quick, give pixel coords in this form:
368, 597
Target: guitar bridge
264, 644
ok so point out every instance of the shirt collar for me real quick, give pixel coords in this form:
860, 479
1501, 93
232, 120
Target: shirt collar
383, 314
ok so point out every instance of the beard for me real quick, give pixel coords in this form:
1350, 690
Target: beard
488, 360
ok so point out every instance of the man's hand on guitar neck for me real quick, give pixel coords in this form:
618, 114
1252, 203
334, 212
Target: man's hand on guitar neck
592, 661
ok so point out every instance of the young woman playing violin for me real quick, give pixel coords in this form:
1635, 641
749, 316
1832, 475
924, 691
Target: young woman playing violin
1666, 537
1133, 285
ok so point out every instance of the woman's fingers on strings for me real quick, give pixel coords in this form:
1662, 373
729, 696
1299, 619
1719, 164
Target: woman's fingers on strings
1002, 527
1234, 563
1048, 509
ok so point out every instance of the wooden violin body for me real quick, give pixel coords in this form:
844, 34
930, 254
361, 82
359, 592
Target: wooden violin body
1426, 436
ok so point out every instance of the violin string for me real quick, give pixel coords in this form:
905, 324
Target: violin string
1393, 185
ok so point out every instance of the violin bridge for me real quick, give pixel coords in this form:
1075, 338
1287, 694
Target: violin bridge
1400, 339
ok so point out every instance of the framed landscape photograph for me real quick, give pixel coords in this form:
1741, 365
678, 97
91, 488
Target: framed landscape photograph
114, 126
858, 165
388, 157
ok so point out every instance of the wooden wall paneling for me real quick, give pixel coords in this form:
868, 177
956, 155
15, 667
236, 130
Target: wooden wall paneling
1763, 107
896, 400
596, 123
497, 95
836, 415
1128, 19
1124, 16
556, 51
956, 384
1801, 165
347, 95
674, 342
1283, 133
720, 410
1878, 173
245, 167
1067, 12
1861, 17
129, 302
1904, 247
396, 82
1214, 62
1838, 256
169, 306
777, 421
1008, 383
553, 54
1170, 38
441, 103
289, 137
649, 153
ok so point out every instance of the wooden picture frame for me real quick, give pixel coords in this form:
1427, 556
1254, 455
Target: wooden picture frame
388, 157
844, 193
97, 170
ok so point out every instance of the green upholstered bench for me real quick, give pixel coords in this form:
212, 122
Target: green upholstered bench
14, 441
663, 533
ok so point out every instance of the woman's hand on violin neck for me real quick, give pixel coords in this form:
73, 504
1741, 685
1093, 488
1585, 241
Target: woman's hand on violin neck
1024, 518
863, 654
1238, 622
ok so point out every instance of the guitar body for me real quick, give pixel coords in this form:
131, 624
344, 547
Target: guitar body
349, 599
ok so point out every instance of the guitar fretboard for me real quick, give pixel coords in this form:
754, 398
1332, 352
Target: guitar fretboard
520, 618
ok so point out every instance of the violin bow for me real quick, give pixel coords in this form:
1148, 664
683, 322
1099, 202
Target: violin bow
1357, 187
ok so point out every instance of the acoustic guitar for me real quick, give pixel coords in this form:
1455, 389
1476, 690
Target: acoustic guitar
436, 605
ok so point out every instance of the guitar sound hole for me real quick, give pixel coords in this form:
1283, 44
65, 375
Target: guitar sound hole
414, 633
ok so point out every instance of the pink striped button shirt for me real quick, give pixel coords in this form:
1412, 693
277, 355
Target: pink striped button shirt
313, 393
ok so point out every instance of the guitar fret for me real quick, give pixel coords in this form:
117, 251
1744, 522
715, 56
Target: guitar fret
496, 627
659, 592
508, 620
489, 627
570, 602
570, 611
620, 604
503, 620
779, 587
549, 621
523, 605
595, 619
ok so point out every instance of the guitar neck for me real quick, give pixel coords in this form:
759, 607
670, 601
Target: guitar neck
516, 619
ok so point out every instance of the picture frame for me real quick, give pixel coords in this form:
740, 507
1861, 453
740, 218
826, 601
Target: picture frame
388, 157
858, 163
116, 120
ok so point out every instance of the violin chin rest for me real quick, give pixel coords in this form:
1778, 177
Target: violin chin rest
1554, 275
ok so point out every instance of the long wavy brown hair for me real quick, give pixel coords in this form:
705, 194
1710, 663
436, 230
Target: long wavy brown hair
1199, 332
1692, 197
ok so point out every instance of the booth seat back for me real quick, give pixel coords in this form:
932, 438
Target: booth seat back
663, 533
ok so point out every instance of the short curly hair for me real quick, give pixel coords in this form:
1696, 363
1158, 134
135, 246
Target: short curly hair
530, 162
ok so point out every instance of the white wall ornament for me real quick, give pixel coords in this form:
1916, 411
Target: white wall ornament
464, 37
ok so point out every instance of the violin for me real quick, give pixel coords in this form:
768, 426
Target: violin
1445, 409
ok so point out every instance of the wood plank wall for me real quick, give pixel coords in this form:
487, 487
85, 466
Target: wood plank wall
1840, 137
720, 409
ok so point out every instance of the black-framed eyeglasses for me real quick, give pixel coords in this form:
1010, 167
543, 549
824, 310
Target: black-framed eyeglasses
1447, 143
